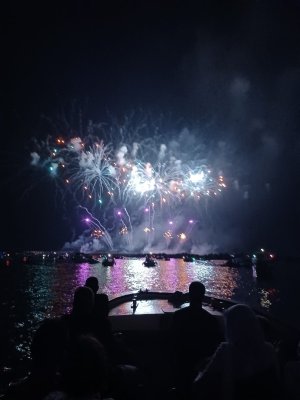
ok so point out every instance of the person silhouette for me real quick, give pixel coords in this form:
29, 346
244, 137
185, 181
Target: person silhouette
101, 307
85, 373
196, 335
245, 366
93, 283
80, 320
123, 373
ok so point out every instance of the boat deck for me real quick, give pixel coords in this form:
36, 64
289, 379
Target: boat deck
148, 315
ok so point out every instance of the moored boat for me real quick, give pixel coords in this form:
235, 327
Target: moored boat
239, 260
188, 258
263, 263
108, 261
150, 261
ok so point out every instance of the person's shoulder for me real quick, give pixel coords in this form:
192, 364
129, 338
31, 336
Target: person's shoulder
181, 311
180, 316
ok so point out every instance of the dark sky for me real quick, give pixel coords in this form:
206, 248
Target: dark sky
233, 66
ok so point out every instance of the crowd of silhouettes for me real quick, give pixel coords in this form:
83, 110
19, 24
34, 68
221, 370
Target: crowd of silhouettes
78, 356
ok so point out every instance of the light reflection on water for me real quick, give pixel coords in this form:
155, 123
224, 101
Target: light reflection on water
131, 275
29, 293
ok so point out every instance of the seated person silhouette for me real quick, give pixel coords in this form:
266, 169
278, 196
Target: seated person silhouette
196, 335
124, 375
101, 307
245, 366
101, 324
80, 320
85, 372
102, 328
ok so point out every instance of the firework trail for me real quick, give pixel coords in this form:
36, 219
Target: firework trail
134, 183
98, 230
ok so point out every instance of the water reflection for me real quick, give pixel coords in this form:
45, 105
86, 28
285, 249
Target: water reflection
131, 275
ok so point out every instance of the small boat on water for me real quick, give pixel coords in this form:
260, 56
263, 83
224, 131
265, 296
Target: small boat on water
239, 261
108, 261
150, 262
76, 258
263, 263
188, 258
92, 260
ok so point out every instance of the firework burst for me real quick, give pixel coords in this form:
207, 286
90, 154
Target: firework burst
132, 186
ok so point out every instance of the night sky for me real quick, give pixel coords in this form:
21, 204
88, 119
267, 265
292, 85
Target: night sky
231, 68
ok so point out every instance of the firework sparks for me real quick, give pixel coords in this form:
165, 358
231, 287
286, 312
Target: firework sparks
135, 183
182, 236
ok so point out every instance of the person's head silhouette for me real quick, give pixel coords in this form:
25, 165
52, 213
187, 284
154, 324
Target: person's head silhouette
196, 292
92, 282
